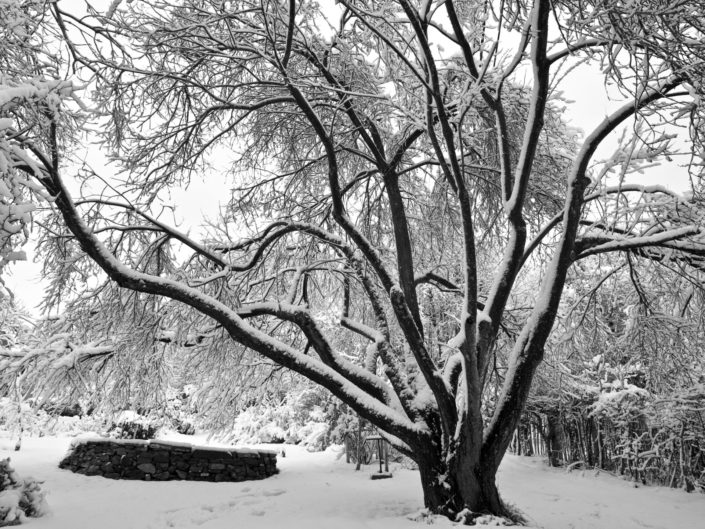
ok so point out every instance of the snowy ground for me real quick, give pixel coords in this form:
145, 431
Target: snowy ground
318, 490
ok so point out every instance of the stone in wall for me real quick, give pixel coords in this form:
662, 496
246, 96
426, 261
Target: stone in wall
162, 461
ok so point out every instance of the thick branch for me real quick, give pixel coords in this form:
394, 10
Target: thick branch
380, 414
529, 348
512, 260
365, 380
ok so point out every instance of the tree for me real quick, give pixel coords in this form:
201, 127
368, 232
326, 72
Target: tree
378, 149
623, 372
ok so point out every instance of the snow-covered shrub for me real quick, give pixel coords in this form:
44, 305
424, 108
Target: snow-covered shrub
624, 403
64, 410
308, 416
21, 418
19, 498
131, 425
184, 427
36, 421
179, 411
261, 424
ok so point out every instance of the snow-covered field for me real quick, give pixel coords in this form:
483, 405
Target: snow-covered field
319, 490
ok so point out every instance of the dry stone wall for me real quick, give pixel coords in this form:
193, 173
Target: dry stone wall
160, 460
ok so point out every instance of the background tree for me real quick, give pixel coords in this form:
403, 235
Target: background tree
372, 148
623, 385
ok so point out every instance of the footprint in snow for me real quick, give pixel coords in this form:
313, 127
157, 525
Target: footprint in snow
188, 518
275, 492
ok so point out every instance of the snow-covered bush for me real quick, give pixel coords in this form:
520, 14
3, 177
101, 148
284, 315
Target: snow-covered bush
179, 411
19, 498
131, 425
307, 416
283, 423
21, 418
35, 420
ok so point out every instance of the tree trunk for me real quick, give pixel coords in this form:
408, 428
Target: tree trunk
600, 445
20, 423
462, 492
554, 439
358, 444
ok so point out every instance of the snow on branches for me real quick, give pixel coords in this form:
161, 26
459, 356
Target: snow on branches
358, 161
31, 95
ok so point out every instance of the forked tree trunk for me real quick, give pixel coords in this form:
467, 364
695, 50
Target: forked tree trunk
461, 491
463, 494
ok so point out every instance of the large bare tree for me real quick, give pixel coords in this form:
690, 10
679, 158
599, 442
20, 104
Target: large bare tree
375, 151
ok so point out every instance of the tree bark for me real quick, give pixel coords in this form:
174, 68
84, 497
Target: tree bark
461, 489
554, 439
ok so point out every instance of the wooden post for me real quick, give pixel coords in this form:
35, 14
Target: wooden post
358, 444
379, 453
20, 424
386, 456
